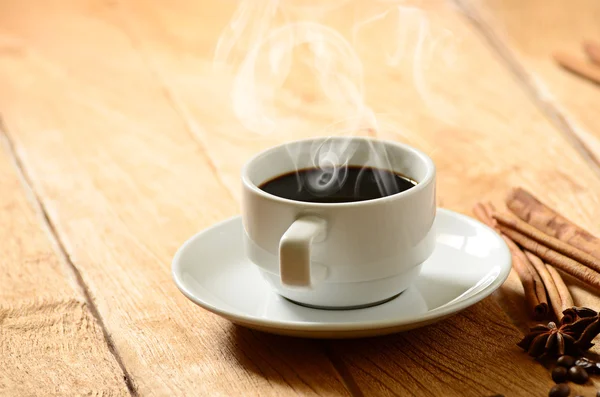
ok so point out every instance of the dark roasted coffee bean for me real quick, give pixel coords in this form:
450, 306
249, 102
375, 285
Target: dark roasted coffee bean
585, 363
565, 361
578, 375
559, 374
598, 393
560, 390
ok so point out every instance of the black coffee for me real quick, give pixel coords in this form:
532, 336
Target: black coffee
339, 185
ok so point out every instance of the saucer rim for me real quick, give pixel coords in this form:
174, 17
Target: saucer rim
440, 312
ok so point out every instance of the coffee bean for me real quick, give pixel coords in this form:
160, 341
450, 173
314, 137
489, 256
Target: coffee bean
578, 375
584, 363
598, 393
559, 374
565, 361
560, 390
590, 366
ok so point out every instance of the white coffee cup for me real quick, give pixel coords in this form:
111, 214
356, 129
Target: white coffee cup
339, 255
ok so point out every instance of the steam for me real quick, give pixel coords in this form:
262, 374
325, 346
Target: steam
417, 41
267, 40
263, 72
332, 162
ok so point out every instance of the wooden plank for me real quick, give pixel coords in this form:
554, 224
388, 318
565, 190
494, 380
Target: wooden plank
102, 79
50, 343
125, 185
469, 118
455, 357
528, 34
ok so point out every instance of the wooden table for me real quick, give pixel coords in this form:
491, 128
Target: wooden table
119, 140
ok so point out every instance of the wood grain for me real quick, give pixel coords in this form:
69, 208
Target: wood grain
463, 360
50, 343
128, 135
125, 185
528, 34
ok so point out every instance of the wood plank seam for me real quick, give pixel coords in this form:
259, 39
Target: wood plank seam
342, 371
523, 76
174, 100
59, 248
380, 382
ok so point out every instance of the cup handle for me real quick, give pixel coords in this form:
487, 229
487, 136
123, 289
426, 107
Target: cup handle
294, 250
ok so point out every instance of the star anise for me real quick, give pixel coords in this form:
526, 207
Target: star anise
585, 320
576, 313
550, 340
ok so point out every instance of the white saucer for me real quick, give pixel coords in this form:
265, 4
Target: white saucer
470, 261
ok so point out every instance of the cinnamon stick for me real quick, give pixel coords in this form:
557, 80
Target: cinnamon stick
535, 293
554, 258
592, 49
558, 293
565, 296
547, 240
580, 67
531, 210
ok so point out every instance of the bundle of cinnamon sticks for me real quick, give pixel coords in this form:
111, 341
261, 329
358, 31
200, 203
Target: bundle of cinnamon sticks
589, 69
542, 241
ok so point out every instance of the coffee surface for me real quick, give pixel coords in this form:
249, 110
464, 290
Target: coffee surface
339, 185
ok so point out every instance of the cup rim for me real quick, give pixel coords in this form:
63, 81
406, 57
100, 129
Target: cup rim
428, 179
